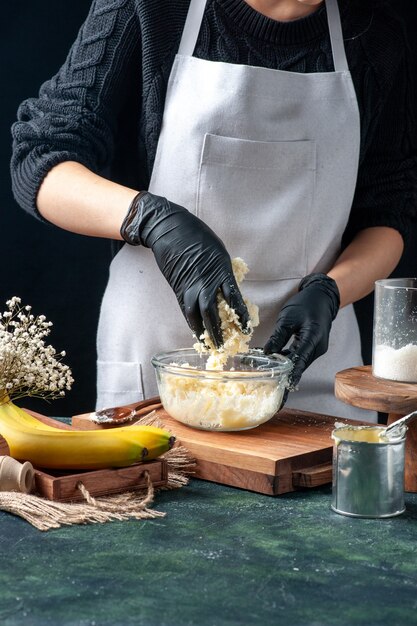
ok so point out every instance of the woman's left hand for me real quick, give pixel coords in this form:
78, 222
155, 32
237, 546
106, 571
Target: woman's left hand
308, 316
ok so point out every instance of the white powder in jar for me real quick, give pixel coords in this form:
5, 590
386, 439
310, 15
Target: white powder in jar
395, 364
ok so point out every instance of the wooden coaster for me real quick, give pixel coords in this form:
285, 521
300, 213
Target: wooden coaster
358, 387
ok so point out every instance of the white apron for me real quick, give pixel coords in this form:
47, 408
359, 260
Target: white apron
268, 159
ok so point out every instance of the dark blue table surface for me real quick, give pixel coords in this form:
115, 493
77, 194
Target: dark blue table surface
221, 556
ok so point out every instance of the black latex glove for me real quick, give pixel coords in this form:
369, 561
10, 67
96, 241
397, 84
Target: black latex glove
191, 257
308, 316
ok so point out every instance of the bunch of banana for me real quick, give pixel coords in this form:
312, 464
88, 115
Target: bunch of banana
50, 447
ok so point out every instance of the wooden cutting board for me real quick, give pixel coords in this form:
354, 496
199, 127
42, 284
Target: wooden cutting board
291, 451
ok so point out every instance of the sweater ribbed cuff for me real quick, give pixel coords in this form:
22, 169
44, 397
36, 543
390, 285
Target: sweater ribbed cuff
29, 174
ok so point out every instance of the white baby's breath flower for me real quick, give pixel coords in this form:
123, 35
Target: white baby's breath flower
13, 302
28, 367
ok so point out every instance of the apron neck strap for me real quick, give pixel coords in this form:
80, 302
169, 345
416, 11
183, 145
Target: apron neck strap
192, 27
195, 17
336, 36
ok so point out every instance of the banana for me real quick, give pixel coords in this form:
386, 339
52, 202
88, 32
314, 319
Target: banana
50, 447
26, 420
151, 438
154, 439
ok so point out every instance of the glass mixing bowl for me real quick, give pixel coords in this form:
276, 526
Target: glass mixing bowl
245, 395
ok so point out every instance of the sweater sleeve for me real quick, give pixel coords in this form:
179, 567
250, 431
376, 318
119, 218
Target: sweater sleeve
386, 191
75, 116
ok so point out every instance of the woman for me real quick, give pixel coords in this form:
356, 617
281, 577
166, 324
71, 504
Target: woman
243, 123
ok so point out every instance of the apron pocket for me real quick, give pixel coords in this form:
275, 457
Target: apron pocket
118, 383
257, 197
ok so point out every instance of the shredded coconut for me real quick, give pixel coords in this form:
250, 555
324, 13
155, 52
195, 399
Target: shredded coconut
235, 341
218, 404
395, 364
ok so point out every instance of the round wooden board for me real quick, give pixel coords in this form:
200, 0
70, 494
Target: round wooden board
357, 386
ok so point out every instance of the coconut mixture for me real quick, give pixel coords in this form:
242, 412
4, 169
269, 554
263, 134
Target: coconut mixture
212, 402
223, 405
235, 341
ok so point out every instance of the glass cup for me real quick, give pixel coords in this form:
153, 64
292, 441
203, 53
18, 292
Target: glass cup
394, 351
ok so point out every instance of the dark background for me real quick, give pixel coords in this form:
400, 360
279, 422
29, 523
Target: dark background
60, 274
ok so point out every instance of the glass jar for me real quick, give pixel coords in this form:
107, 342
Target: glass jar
394, 353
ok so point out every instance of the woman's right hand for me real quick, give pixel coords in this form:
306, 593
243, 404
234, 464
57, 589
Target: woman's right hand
192, 258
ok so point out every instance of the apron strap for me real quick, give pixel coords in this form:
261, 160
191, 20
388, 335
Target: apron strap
195, 17
192, 27
336, 36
